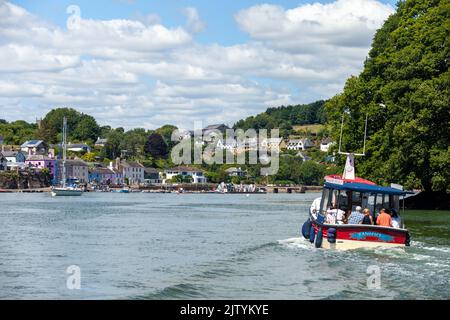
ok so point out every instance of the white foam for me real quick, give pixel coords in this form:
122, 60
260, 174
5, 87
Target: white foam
298, 242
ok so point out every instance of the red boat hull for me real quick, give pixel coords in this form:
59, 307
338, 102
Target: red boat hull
348, 236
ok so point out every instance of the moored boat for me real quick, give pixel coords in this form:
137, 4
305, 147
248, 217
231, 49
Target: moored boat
65, 190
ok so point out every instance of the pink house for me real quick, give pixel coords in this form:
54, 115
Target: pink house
40, 161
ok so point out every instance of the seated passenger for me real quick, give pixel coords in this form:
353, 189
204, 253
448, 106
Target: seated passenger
356, 217
331, 217
340, 216
367, 217
384, 218
335, 215
396, 220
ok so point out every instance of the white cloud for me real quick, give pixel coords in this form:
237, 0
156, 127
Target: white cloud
194, 23
343, 23
141, 73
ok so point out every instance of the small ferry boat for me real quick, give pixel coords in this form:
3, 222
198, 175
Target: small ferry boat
328, 226
344, 194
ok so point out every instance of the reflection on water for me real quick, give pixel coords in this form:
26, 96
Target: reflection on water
168, 246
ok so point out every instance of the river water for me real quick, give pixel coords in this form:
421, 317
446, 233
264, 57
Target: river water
202, 246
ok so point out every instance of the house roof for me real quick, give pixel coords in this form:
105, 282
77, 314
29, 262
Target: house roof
151, 170
327, 141
38, 157
101, 170
101, 140
78, 146
10, 153
131, 164
216, 127
31, 143
74, 162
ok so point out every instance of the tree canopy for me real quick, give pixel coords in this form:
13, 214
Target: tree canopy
404, 89
80, 126
155, 146
285, 117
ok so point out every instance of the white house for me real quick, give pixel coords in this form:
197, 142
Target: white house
133, 171
326, 144
15, 159
235, 172
228, 144
194, 174
271, 143
299, 144
100, 143
14, 156
78, 147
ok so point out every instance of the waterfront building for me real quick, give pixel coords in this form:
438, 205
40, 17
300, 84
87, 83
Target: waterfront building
75, 170
131, 171
102, 176
151, 175
41, 161
188, 173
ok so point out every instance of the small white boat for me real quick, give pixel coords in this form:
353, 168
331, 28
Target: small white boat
66, 191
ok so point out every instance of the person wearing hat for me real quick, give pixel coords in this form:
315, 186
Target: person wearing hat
356, 217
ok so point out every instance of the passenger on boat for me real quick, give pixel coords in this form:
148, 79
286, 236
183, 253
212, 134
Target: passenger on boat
396, 220
384, 218
356, 217
340, 216
331, 217
335, 215
367, 217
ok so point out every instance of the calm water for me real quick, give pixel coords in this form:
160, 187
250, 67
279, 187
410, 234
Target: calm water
168, 246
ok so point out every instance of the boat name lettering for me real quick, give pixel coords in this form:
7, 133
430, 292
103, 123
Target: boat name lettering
364, 234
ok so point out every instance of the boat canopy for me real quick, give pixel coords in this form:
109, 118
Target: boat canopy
362, 187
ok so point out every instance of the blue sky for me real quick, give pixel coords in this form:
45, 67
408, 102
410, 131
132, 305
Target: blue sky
136, 63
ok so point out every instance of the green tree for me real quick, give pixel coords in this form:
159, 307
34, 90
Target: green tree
404, 89
155, 146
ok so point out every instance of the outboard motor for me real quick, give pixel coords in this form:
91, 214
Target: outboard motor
306, 228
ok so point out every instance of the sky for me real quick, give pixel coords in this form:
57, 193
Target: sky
133, 63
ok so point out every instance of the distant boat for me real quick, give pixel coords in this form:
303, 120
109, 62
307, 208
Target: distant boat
65, 190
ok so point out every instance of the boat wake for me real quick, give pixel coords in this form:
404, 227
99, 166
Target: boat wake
296, 243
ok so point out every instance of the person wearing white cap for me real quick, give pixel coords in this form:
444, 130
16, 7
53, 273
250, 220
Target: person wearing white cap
356, 217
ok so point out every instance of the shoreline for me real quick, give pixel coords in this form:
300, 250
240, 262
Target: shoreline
173, 189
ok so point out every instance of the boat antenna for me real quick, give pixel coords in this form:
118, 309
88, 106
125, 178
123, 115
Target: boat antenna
365, 137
